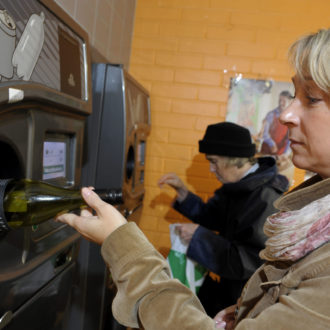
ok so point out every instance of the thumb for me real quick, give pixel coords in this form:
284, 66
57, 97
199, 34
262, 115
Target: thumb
93, 200
220, 324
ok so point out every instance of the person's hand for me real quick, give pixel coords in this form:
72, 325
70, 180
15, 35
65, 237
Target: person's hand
225, 319
94, 228
186, 231
176, 183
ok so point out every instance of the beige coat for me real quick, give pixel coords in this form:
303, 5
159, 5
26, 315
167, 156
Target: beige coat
278, 296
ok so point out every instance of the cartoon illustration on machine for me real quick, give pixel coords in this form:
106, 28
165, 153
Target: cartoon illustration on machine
25, 55
29, 46
7, 42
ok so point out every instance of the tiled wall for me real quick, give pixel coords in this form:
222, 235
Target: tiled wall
109, 24
184, 52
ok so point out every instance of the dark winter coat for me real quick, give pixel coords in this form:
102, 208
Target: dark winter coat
237, 213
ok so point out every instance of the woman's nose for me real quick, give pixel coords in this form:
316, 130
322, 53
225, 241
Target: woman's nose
212, 168
290, 116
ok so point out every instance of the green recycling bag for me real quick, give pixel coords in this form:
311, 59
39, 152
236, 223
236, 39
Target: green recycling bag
187, 271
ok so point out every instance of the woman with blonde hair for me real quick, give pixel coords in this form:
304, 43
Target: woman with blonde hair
292, 289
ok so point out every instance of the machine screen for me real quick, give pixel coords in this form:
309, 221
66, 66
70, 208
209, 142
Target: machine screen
54, 160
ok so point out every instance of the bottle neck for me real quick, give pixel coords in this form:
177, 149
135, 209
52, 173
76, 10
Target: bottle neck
111, 196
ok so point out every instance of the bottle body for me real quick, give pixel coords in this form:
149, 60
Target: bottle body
27, 202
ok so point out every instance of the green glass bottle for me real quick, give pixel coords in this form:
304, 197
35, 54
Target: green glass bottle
26, 202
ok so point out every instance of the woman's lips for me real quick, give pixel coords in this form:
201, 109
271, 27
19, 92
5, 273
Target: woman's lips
294, 143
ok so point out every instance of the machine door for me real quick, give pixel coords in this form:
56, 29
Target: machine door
34, 313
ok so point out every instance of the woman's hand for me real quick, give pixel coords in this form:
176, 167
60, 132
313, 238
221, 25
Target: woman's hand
94, 228
176, 183
225, 319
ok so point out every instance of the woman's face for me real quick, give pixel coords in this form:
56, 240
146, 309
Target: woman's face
224, 173
308, 120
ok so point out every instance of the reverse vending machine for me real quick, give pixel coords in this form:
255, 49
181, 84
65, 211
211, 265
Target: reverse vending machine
45, 97
114, 156
116, 135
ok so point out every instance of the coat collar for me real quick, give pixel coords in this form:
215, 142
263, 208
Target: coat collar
309, 191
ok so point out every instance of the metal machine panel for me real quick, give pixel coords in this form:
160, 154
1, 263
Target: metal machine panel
116, 134
105, 131
31, 257
53, 296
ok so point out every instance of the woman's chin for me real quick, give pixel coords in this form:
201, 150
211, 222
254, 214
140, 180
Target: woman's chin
301, 162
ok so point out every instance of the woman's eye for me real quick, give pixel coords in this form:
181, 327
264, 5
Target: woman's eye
313, 100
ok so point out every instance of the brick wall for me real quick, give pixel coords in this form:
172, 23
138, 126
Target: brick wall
184, 52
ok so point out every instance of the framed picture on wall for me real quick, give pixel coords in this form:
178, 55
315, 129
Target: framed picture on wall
257, 104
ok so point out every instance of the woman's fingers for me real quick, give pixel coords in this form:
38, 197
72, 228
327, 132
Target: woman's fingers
94, 228
86, 212
95, 202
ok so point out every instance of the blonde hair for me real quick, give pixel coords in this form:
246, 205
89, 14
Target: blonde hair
310, 58
239, 161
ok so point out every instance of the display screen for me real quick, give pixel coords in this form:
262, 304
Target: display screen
54, 160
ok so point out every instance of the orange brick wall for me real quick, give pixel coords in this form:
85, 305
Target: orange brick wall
185, 52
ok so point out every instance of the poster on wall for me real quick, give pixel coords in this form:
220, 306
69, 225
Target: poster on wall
257, 105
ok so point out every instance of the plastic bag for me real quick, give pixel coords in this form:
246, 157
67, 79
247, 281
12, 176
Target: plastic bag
187, 271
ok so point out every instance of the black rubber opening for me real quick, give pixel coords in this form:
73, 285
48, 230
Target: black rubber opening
130, 163
10, 166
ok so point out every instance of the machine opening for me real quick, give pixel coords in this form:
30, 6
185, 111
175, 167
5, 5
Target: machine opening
10, 166
130, 163
142, 152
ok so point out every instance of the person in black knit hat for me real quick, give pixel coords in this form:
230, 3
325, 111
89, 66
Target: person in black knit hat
227, 139
227, 231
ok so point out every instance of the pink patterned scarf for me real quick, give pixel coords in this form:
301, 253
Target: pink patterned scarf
293, 234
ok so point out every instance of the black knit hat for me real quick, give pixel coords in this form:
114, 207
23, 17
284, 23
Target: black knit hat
227, 139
